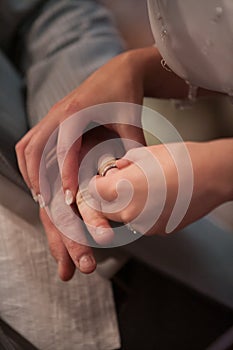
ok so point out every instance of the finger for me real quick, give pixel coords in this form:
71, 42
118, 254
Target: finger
69, 173
72, 233
36, 165
122, 163
66, 267
96, 223
81, 255
114, 193
102, 188
68, 154
20, 149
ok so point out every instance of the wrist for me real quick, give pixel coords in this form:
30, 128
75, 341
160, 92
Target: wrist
157, 82
143, 64
145, 67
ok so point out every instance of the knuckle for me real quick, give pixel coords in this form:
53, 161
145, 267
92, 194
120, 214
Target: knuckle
66, 106
106, 189
76, 251
70, 107
28, 150
20, 146
113, 191
126, 216
105, 195
71, 245
33, 149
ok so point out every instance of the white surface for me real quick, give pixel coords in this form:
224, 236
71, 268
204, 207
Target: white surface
51, 314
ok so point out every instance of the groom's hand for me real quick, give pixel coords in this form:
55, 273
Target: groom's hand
68, 253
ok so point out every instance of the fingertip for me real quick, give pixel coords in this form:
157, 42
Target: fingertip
122, 163
66, 270
69, 197
103, 235
87, 264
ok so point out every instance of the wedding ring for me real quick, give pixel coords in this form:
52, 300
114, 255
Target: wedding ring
104, 168
82, 196
79, 198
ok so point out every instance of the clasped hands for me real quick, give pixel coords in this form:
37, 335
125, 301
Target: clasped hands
212, 174
131, 169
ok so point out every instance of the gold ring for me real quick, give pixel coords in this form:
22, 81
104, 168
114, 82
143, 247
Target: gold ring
110, 164
82, 196
79, 198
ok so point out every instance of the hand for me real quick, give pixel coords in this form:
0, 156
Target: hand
119, 80
140, 167
103, 86
68, 253
123, 196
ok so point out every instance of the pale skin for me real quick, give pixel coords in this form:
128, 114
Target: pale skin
126, 78
67, 252
213, 173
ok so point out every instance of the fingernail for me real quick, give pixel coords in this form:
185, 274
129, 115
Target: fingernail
86, 262
41, 200
34, 195
69, 199
101, 231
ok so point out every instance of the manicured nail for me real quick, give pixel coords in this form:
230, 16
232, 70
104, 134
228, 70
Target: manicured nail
41, 200
100, 231
69, 199
34, 195
86, 262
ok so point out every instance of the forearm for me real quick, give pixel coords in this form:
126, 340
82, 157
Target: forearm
212, 181
213, 177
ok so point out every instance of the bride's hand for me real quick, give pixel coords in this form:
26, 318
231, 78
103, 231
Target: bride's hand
149, 180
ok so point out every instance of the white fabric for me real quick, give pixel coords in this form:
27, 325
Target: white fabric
51, 314
196, 40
